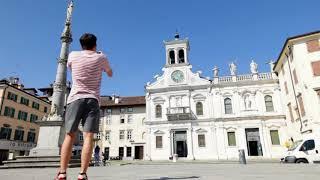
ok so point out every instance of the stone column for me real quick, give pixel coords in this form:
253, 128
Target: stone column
52, 132
190, 144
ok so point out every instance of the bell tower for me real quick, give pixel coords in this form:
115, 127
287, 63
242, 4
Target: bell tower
177, 51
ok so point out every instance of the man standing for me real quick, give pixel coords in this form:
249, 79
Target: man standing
83, 102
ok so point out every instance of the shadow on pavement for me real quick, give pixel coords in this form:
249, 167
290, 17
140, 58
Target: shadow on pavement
168, 178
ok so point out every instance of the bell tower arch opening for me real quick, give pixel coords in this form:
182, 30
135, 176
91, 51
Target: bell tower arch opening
177, 51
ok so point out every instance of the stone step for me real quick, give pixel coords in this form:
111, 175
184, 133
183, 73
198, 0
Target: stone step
36, 165
39, 161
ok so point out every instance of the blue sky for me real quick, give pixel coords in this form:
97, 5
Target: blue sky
131, 32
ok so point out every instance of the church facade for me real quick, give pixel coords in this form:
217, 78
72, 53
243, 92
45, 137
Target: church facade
212, 118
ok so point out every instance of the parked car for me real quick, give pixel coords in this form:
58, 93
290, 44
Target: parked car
306, 150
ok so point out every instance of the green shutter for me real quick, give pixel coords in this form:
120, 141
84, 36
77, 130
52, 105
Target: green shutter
232, 139
19, 115
274, 137
6, 109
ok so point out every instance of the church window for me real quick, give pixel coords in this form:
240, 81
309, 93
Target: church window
172, 57
201, 140
158, 142
232, 139
199, 108
158, 111
227, 106
268, 103
181, 56
274, 137
316, 68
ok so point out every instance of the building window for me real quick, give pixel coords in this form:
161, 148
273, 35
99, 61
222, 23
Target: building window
9, 112
98, 136
122, 119
31, 137
316, 68
129, 151
18, 135
121, 135
12, 96
24, 101
101, 113
227, 106
33, 118
268, 102
5, 133
35, 105
199, 108
109, 111
158, 111
129, 118
201, 140
80, 136
232, 139
172, 57
107, 137
122, 110
130, 109
295, 78
45, 109
286, 87
158, 142
108, 119
129, 134
274, 137
22, 115
313, 45
282, 69
181, 56
120, 151
290, 112
300, 101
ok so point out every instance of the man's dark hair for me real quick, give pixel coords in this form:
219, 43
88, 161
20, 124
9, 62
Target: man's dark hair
88, 41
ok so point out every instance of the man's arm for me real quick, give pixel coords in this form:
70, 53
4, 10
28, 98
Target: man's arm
106, 67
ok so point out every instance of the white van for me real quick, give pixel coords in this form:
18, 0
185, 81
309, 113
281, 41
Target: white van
303, 151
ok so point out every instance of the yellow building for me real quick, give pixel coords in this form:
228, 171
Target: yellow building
19, 109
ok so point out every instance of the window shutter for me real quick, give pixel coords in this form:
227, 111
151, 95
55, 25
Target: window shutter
316, 68
274, 137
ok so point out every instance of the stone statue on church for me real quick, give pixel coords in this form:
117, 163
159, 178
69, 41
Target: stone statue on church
215, 71
233, 69
254, 67
247, 102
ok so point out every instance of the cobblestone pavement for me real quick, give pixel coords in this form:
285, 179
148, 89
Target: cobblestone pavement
178, 171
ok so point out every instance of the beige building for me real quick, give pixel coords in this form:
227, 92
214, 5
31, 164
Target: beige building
298, 68
122, 130
19, 109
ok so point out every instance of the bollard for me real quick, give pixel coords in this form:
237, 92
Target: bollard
242, 157
174, 158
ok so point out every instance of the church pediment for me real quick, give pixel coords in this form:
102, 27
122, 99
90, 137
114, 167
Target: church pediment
159, 132
200, 130
158, 100
198, 97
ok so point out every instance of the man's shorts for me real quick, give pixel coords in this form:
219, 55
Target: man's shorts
85, 110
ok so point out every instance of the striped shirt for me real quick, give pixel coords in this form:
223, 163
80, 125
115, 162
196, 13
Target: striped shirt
86, 70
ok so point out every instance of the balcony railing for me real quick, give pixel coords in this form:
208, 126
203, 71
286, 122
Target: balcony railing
179, 113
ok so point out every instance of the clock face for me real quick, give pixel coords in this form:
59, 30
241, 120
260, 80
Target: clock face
177, 76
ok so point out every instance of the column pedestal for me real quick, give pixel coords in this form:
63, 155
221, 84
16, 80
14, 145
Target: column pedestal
51, 135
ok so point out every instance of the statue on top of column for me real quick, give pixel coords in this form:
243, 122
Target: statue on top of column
233, 69
215, 71
254, 67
